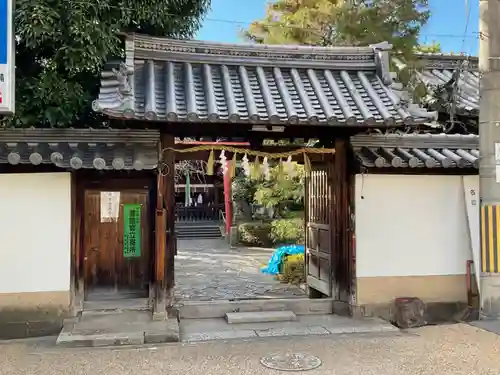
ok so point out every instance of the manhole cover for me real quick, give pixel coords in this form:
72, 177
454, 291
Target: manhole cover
291, 361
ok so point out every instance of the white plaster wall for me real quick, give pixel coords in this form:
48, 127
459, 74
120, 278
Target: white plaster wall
410, 226
35, 232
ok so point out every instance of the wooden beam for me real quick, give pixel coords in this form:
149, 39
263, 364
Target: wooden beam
243, 131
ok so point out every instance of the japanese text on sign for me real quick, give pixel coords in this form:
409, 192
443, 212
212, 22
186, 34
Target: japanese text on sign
132, 230
110, 206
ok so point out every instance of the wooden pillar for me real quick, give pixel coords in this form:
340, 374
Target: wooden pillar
342, 223
227, 198
159, 308
164, 243
167, 140
77, 268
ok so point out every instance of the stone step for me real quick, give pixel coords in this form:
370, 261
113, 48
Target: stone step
219, 309
116, 305
260, 317
197, 330
196, 222
214, 230
198, 232
123, 328
196, 227
199, 236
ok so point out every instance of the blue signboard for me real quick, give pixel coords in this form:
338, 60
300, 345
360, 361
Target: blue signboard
7, 65
4, 30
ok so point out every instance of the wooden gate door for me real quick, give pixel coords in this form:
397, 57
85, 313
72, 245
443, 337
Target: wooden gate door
318, 241
116, 249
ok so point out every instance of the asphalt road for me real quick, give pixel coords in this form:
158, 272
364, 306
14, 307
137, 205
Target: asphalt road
451, 349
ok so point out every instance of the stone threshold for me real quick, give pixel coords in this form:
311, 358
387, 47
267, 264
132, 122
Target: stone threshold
196, 330
219, 308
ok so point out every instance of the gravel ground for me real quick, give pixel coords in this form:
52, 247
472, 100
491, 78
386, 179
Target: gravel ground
452, 349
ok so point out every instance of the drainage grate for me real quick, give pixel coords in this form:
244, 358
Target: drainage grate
291, 361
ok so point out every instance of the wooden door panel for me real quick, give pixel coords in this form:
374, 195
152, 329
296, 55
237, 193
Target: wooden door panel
318, 229
98, 264
107, 269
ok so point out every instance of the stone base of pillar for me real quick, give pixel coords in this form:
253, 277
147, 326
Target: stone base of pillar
233, 236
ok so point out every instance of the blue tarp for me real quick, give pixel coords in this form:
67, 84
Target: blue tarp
273, 267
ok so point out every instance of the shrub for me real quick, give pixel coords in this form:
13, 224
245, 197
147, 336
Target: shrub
255, 233
293, 270
277, 232
287, 231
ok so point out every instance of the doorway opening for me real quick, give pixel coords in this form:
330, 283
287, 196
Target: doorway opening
210, 270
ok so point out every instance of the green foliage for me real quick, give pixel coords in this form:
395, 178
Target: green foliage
276, 232
254, 233
287, 231
434, 47
281, 192
243, 189
343, 22
62, 46
293, 270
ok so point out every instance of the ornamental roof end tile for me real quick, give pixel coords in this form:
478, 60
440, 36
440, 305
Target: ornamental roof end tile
73, 149
417, 151
193, 81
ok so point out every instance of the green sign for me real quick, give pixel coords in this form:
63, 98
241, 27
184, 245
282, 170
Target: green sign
132, 230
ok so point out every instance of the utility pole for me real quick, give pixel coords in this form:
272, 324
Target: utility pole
489, 170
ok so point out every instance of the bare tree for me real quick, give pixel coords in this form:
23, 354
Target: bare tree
195, 168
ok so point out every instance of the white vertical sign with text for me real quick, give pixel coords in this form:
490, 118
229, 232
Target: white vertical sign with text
472, 204
110, 206
7, 64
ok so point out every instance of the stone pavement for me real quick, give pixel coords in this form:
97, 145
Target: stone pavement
192, 330
445, 350
207, 270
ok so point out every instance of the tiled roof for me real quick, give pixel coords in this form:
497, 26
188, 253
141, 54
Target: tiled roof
454, 79
193, 81
417, 151
75, 149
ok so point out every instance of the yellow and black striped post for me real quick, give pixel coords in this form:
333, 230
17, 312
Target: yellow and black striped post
490, 238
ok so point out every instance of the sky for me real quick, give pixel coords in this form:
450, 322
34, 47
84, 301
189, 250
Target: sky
453, 23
